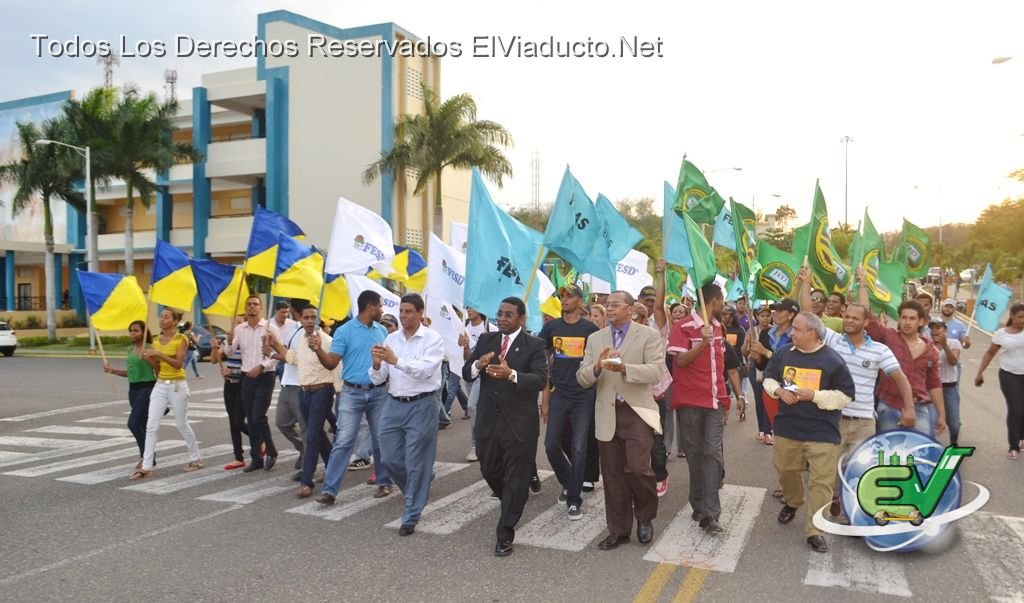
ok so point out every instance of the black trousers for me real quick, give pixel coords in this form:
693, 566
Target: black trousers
236, 415
256, 393
1013, 390
507, 466
659, 455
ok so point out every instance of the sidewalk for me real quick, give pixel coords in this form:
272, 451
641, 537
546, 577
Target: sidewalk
66, 351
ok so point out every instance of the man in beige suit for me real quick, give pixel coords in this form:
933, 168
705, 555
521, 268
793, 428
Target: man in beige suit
623, 360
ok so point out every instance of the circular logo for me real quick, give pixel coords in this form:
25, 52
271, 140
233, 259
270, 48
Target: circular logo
748, 241
917, 254
877, 287
777, 279
692, 196
823, 246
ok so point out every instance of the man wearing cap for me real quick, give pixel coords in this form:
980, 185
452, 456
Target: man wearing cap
774, 339
568, 404
647, 298
955, 328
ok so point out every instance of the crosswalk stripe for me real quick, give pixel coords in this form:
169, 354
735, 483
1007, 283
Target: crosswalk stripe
553, 529
40, 442
447, 515
74, 430
996, 547
70, 450
100, 476
685, 543
182, 481
355, 499
84, 407
206, 406
103, 420
244, 495
206, 414
7, 456
851, 565
85, 461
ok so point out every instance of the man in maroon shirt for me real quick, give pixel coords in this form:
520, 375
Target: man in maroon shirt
919, 361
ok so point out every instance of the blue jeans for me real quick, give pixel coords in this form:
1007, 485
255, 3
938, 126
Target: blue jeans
353, 404
364, 444
763, 424
191, 359
408, 443
951, 397
578, 413
888, 417
453, 389
315, 406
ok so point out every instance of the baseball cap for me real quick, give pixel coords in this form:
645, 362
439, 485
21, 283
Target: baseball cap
389, 318
729, 309
787, 304
936, 322
949, 301
647, 291
571, 290
923, 293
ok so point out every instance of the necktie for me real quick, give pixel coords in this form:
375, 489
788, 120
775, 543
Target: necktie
504, 346
616, 338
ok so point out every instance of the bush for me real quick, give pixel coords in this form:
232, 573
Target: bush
71, 321
83, 342
32, 342
33, 322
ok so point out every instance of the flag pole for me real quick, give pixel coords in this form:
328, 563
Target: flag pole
103, 354
703, 307
533, 274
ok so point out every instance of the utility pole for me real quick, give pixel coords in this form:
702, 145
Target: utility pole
846, 140
170, 79
535, 182
109, 61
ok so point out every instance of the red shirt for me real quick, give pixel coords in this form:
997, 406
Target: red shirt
702, 382
922, 372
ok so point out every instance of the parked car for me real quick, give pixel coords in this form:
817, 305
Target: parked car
203, 332
8, 340
967, 276
934, 276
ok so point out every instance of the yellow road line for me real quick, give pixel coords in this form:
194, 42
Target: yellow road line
692, 582
651, 589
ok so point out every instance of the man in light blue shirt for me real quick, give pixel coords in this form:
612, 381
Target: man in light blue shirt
359, 397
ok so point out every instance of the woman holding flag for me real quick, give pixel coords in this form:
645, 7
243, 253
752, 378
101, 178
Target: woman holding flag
171, 389
141, 378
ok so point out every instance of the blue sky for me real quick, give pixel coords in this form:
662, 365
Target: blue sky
769, 87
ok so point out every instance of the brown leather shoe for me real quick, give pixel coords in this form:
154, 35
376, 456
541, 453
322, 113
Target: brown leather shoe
382, 491
305, 492
325, 499
834, 509
786, 514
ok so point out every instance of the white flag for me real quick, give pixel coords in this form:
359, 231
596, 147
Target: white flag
448, 325
631, 274
358, 283
446, 272
458, 233
720, 280
360, 239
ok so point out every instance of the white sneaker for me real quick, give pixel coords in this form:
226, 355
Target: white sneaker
471, 456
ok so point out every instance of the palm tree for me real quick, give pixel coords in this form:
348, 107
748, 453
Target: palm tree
140, 139
47, 172
446, 134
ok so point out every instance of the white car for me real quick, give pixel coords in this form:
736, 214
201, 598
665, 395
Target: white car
8, 341
967, 276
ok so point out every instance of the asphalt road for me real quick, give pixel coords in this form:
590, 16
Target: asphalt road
247, 537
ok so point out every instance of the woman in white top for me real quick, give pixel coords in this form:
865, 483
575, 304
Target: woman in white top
1010, 340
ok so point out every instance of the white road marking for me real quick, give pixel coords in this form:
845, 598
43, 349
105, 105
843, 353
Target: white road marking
181, 481
996, 547
40, 442
123, 471
75, 463
355, 499
70, 450
110, 547
553, 529
851, 565
104, 420
84, 407
7, 456
206, 414
75, 430
685, 543
244, 495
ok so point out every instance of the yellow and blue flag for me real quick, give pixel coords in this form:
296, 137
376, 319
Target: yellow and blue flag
113, 301
408, 267
261, 253
218, 285
173, 283
337, 304
299, 271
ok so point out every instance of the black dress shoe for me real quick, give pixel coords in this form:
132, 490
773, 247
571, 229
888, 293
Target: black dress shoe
644, 532
835, 509
251, 467
787, 514
818, 544
406, 529
612, 542
271, 460
711, 525
696, 516
535, 484
503, 548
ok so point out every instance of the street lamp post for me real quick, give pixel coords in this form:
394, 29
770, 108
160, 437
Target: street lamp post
846, 140
90, 219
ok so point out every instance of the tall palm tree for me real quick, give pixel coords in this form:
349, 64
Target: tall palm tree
446, 134
44, 172
140, 128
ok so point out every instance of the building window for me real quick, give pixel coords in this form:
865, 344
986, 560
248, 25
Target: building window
414, 238
413, 83
182, 207
240, 202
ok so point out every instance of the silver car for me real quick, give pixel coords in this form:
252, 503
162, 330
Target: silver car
8, 340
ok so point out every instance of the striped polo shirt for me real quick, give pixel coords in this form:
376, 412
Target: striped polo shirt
864, 363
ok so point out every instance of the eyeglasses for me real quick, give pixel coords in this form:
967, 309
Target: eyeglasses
817, 299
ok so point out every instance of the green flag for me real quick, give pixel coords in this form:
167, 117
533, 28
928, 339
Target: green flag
821, 255
675, 281
777, 277
694, 196
703, 268
912, 250
867, 248
744, 225
885, 284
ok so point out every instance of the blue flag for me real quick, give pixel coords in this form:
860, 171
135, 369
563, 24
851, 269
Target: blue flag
993, 299
725, 233
616, 239
574, 226
735, 290
673, 232
502, 255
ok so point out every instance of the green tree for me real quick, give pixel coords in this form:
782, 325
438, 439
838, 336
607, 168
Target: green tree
445, 135
140, 131
43, 172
